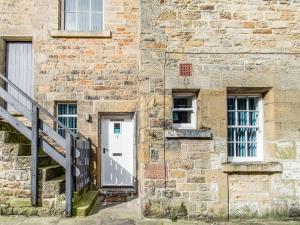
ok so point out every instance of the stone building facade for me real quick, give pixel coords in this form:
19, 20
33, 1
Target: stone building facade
235, 48
230, 47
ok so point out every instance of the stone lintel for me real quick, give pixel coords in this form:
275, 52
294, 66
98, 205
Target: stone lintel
72, 34
255, 167
188, 134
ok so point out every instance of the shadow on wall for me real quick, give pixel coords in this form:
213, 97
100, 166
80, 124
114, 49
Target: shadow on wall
118, 179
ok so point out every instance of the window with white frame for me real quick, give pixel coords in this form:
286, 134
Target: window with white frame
245, 128
67, 114
83, 15
184, 110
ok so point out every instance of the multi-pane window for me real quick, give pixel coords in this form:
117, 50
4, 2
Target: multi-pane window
67, 114
245, 128
184, 110
83, 15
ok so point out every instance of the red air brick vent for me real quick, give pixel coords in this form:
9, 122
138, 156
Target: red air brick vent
185, 70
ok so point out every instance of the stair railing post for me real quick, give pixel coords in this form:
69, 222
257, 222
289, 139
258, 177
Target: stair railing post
69, 175
34, 155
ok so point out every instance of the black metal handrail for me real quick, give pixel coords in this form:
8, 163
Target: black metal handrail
53, 118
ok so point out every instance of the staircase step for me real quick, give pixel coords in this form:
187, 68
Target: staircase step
85, 205
54, 187
24, 162
12, 137
50, 172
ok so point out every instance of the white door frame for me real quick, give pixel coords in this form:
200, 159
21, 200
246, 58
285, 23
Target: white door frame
99, 164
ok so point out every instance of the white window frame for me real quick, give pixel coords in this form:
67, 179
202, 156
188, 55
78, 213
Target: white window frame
63, 12
193, 109
260, 126
67, 115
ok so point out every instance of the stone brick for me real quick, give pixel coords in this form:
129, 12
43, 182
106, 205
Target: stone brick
154, 171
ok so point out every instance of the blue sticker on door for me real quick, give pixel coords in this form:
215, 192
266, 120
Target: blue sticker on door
117, 128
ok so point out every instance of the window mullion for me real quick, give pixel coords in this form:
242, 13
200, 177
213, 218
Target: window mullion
235, 130
247, 124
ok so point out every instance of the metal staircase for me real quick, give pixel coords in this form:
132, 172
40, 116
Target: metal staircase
71, 152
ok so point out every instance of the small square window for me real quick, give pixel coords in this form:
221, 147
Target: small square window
67, 114
184, 110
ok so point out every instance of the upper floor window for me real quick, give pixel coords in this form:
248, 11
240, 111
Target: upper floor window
83, 15
67, 114
184, 110
245, 128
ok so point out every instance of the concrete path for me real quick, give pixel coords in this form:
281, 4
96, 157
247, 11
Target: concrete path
121, 214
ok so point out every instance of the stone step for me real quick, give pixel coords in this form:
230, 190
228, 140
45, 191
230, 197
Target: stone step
24, 162
12, 137
85, 205
18, 149
50, 172
54, 187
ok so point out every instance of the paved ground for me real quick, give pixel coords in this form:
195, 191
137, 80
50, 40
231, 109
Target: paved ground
122, 214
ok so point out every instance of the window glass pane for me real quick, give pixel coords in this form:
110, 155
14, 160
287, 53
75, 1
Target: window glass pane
72, 109
231, 118
63, 120
242, 118
252, 134
230, 149
97, 5
241, 134
96, 23
182, 102
242, 103
72, 123
252, 149
182, 117
231, 134
231, 104
253, 103
253, 118
70, 5
83, 5
241, 149
62, 109
70, 21
83, 21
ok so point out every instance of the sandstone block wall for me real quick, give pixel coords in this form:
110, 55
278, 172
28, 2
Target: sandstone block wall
99, 73
234, 46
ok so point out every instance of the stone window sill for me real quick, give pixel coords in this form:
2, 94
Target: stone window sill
71, 34
188, 134
268, 167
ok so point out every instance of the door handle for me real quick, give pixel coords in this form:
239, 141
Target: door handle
104, 150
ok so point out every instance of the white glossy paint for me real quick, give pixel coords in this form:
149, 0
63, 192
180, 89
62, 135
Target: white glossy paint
117, 149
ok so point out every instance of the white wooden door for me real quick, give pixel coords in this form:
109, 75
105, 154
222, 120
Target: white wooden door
19, 70
117, 148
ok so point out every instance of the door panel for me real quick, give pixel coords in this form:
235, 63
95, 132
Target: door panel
117, 146
19, 70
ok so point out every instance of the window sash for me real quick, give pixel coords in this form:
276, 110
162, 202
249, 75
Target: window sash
242, 147
69, 119
190, 110
71, 18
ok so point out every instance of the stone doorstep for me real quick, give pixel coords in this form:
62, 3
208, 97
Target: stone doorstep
255, 167
83, 207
